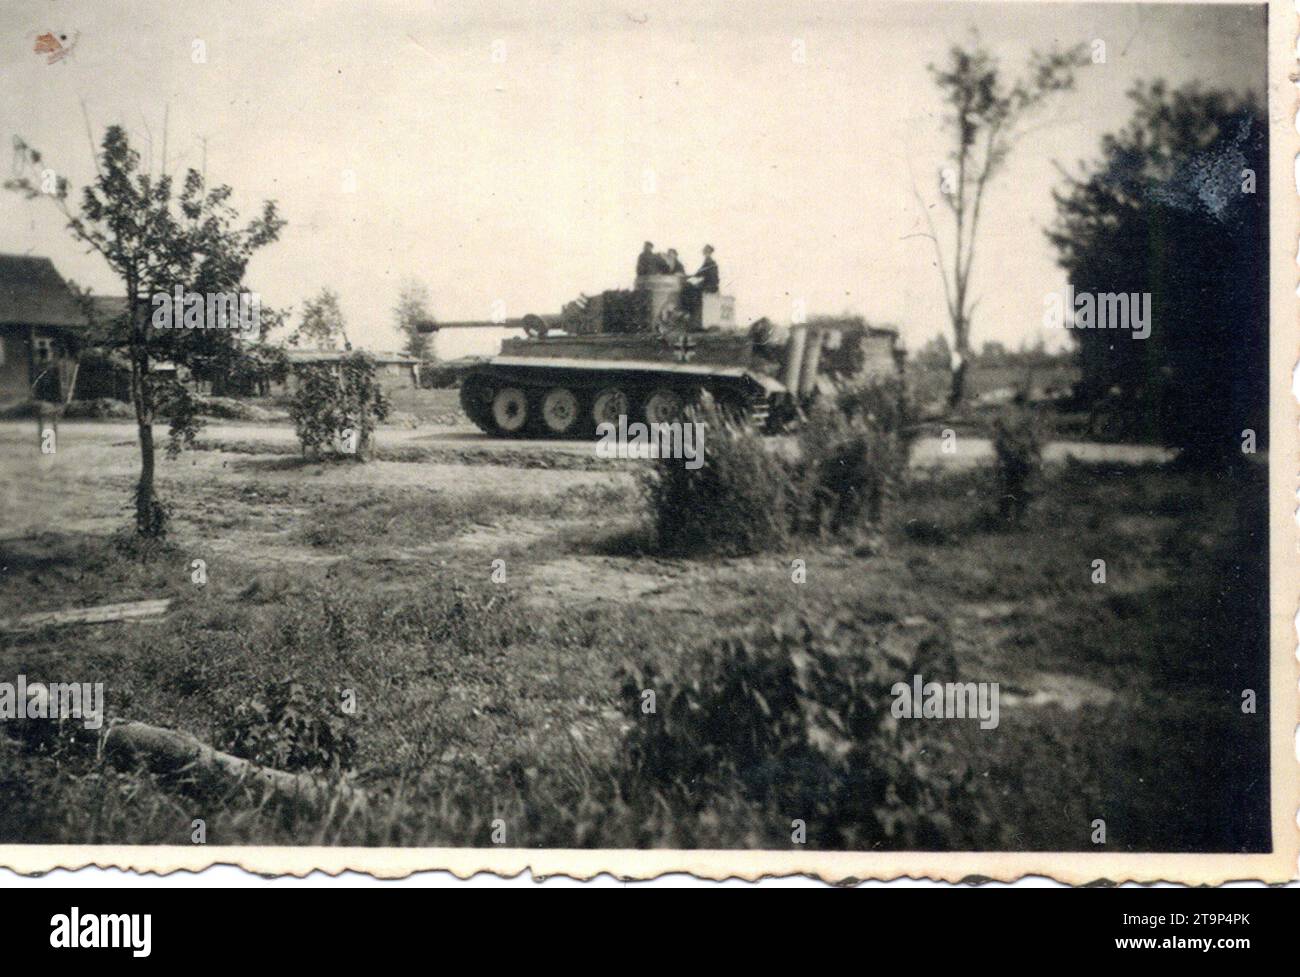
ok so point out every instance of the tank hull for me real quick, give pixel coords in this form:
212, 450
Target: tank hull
647, 354
570, 396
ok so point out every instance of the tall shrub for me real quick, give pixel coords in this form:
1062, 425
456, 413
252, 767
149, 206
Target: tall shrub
736, 502
1018, 462
337, 405
853, 454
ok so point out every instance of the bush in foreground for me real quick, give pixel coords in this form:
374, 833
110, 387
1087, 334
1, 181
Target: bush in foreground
746, 497
736, 502
796, 721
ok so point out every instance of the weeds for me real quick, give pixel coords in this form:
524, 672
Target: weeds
796, 718
745, 498
477, 701
289, 727
1018, 447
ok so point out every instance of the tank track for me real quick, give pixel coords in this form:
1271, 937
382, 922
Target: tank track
512, 403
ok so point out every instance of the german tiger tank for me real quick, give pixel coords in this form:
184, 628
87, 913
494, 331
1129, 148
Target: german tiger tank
646, 354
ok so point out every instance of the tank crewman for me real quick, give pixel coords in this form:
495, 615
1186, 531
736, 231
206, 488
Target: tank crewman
706, 279
649, 263
672, 264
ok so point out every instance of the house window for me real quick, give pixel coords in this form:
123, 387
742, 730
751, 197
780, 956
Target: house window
44, 349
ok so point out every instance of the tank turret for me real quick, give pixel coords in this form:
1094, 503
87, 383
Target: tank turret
656, 303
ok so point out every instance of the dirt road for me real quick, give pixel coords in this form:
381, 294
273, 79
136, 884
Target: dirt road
928, 451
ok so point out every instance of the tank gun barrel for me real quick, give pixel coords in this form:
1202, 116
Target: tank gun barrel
428, 325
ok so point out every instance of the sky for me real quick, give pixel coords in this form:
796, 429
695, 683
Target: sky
513, 155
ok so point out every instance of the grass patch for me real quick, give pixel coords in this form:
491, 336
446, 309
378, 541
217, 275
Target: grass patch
474, 702
426, 454
426, 516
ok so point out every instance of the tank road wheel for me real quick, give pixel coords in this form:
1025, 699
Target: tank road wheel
510, 410
663, 406
560, 413
610, 404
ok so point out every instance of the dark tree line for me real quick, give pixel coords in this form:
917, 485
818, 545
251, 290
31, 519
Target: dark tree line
1178, 207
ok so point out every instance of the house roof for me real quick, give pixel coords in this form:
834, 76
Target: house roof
32, 293
108, 306
333, 355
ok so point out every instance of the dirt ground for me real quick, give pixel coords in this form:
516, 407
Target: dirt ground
254, 502
390, 543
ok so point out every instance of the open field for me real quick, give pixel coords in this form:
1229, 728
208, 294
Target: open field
930, 384
480, 700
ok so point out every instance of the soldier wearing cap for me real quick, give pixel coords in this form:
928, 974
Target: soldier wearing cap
649, 263
706, 279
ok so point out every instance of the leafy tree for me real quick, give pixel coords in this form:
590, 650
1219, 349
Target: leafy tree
936, 354
322, 324
251, 371
156, 237
1177, 208
993, 353
987, 115
413, 309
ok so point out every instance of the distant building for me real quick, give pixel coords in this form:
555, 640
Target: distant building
107, 373
394, 371
40, 325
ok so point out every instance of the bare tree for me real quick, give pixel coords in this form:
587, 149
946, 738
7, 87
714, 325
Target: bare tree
987, 116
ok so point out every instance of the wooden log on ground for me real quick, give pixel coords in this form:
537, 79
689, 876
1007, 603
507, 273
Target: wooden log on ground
104, 613
168, 752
